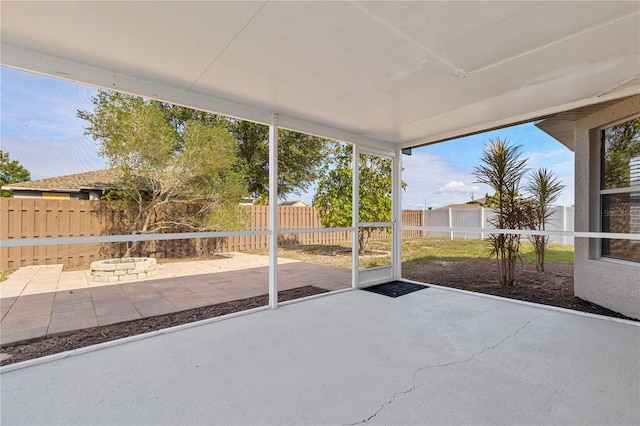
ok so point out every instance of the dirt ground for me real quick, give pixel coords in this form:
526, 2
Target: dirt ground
553, 287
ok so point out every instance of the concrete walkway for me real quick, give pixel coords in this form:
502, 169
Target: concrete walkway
435, 356
36, 301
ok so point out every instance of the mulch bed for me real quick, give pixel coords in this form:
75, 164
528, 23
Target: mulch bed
64, 342
553, 287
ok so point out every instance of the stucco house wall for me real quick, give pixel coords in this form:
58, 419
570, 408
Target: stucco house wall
53, 195
614, 284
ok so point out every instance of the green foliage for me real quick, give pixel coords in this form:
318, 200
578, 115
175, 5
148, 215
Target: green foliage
171, 178
333, 197
11, 171
300, 157
458, 250
178, 116
621, 144
502, 169
544, 189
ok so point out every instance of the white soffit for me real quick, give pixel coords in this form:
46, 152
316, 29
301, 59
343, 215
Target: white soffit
376, 73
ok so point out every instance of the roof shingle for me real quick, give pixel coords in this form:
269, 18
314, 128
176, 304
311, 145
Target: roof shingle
94, 180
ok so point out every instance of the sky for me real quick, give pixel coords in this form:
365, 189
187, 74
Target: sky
40, 129
39, 124
441, 174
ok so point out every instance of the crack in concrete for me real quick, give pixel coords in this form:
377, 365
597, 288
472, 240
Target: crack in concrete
111, 396
426, 367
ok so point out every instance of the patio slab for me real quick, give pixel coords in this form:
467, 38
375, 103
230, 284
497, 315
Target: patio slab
44, 300
436, 356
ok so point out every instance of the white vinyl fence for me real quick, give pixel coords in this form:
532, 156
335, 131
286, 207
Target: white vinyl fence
561, 220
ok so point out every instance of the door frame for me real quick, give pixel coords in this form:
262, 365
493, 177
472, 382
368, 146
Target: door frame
371, 276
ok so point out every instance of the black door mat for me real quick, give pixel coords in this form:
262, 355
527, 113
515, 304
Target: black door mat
395, 288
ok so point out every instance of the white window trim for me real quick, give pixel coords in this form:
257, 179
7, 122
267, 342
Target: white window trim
600, 192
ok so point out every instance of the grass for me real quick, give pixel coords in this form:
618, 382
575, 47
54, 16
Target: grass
425, 249
338, 255
555, 253
430, 248
5, 274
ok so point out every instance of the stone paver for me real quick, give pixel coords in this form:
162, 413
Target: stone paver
36, 301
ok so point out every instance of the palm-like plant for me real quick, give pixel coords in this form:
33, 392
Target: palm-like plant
502, 169
544, 189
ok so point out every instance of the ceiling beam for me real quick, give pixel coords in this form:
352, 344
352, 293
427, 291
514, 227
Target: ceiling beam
59, 68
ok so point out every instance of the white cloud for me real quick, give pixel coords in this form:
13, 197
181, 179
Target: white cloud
428, 174
456, 186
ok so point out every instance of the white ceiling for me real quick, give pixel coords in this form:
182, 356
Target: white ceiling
380, 74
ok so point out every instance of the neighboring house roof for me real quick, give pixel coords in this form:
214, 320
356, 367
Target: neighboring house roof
475, 204
294, 203
97, 180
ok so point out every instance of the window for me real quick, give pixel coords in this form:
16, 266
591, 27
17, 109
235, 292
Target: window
620, 188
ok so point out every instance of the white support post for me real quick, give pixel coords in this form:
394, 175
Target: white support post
450, 224
564, 223
425, 222
396, 214
482, 221
355, 214
273, 212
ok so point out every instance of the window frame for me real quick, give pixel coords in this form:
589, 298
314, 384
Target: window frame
601, 193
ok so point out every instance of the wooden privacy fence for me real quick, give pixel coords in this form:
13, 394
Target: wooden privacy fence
42, 218
38, 218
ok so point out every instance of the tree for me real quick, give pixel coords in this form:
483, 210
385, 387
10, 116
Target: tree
502, 170
300, 156
11, 171
544, 189
620, 157
621, 144
170, 178
333, 197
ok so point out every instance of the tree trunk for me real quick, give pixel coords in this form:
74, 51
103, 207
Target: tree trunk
131, 248
540, 251
362, 241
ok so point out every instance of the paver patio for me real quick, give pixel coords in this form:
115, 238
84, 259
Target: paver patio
42, 300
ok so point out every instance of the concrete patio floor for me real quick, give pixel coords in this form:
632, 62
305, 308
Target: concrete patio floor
436, 356
37, 301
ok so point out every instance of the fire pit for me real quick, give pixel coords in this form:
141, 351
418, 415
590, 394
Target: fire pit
125, 269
